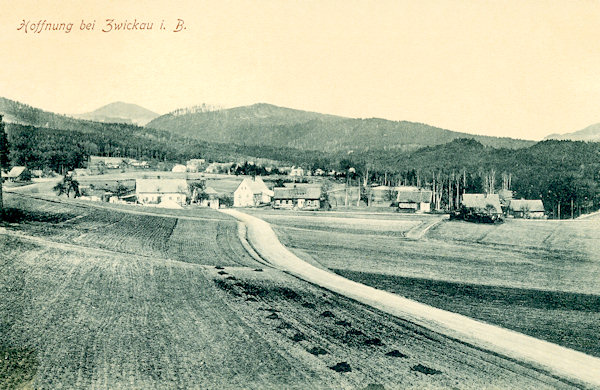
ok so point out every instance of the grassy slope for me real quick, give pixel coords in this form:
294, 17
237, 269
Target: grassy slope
541, 288
79, 316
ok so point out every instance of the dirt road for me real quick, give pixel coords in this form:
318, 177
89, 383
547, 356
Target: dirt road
543, 355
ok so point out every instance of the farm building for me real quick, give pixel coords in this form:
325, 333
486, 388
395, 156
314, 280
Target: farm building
297, 196
526, 208
219, 167
195, 164
156, 191
413, 199
212, 199
383, 195
252, 192
16, 173
481, 207
179, 168
98, 164
296, 171
138, 164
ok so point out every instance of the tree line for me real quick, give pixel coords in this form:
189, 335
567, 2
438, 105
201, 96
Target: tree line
564, 174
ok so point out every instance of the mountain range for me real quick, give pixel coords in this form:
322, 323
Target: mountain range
266, 124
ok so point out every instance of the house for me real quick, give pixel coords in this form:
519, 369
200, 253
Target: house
526, 208
98, 164
16, 173
297, 196
413, 199
212, 199
383, 195
179, 168
156, 191
219, 167
195, 164
138, 164
319, 172
252, 192
481, 207
297, 171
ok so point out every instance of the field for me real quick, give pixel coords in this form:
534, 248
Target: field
539, 278
110, 298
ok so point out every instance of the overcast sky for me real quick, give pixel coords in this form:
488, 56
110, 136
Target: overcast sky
521, 69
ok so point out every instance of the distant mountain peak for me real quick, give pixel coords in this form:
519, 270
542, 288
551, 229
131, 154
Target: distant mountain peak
590, 133
120, 112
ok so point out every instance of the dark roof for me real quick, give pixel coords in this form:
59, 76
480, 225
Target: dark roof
526, 205
299, 192
414, 196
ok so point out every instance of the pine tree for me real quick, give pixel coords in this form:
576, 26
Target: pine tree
3, 158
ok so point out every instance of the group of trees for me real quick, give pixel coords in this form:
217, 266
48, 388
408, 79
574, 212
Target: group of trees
4, 159
564, 174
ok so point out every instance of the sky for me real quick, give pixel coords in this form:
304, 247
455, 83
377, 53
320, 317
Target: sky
521, 69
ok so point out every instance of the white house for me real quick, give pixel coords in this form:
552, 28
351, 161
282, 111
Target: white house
15, 173
179, 168
251, 192
156, 191
212, 199
297, 171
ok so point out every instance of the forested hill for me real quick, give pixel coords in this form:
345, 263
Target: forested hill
23, 114
558, 172
265, 124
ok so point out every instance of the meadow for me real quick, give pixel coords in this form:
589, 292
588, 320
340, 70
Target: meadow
177, 303
539, 278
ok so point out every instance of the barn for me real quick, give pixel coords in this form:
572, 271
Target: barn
157, 191
527, 208
297, 196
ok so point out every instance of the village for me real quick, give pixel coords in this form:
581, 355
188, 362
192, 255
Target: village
199, 183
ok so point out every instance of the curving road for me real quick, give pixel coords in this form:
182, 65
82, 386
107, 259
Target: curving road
556, 360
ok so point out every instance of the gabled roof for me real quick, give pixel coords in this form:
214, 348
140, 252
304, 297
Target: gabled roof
161, 186
15, 172
299, 192
526, 205
257, 186
210, 191
482, 202
414, 196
